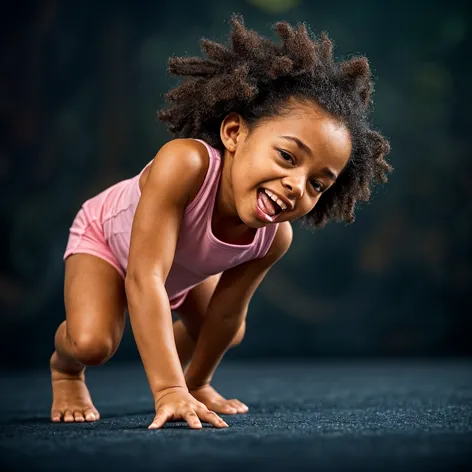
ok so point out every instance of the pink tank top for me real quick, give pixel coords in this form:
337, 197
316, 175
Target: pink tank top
198, 254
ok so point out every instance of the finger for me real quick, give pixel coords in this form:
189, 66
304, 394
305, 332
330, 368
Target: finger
159, 420
68, 416
212, 418
89, 415
192, 419
79, 416
56, 415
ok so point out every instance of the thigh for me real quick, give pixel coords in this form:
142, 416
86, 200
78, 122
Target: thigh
95, 299
194, 308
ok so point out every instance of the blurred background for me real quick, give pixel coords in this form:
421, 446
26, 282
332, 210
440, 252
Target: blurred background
80, 84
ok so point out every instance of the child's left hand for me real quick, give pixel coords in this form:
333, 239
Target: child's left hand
215, 402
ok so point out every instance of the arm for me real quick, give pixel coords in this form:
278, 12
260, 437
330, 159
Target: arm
228, 308
174, 177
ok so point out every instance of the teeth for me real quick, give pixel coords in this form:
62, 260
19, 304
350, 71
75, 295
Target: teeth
276, 199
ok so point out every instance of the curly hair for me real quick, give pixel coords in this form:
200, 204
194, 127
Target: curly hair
256, 77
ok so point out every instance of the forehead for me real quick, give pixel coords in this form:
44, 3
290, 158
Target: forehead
326, 137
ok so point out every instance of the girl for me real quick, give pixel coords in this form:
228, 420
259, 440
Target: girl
265, 134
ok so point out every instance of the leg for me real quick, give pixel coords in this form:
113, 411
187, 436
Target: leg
192, 312
95, 301
186, 345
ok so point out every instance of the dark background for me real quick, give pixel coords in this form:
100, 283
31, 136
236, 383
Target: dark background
80, 83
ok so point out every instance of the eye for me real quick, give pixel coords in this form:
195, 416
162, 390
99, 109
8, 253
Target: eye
285, 156
317, 186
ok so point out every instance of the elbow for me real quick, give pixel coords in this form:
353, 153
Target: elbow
238, 338
132, 283
136, 284
133, 288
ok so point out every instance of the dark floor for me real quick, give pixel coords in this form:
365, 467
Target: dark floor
339, 416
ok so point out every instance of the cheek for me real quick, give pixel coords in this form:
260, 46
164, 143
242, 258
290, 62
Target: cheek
243, 177
241, 186
308, 204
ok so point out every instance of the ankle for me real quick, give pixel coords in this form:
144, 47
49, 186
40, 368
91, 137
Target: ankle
66, 367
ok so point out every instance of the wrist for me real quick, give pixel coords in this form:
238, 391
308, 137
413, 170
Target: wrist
168, 390
195, 384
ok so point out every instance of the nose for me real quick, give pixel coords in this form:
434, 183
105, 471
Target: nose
295, 186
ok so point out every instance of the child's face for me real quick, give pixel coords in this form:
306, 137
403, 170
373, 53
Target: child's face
295, 158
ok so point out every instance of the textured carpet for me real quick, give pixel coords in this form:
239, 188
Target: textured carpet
337, 416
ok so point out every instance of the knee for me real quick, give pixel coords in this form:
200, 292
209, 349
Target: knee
239, 335
91, 349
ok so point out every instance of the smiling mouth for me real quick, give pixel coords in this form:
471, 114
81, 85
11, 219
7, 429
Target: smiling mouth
266, 208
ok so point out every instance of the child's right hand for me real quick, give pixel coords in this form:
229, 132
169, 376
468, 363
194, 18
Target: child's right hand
176, 403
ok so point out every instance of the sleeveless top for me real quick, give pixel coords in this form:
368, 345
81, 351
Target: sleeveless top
198, 253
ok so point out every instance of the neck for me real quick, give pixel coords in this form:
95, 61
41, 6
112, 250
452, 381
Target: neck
226, 224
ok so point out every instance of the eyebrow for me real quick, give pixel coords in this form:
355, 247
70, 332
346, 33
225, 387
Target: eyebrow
325, 170
300, 144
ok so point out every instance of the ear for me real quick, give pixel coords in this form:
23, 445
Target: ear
232, 131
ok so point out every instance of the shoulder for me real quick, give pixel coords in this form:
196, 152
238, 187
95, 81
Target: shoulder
281, 242
184, 159
190, 151
176, 172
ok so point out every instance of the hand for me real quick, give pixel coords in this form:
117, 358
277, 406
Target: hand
214, 401
176, 403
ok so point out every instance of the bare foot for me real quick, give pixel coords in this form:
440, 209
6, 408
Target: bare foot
215, 402
71, 401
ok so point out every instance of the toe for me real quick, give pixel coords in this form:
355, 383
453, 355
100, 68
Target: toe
229, 409
241, 407
78, 416
56, 415
234, 404
237, 405
90, 414
68, 416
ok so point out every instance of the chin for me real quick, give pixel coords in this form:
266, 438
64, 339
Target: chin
257, 224
249, 219
251, 222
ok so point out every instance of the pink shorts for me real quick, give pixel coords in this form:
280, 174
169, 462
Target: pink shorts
86, 237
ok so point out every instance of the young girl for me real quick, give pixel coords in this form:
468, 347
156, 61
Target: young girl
265, 134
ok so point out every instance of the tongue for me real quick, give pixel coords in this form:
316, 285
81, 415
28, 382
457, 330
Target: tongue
267, 204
